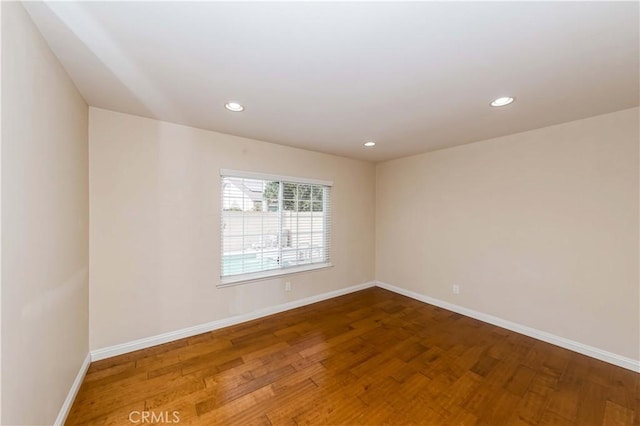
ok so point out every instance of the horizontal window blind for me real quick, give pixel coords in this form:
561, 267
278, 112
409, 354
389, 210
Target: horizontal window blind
273, 225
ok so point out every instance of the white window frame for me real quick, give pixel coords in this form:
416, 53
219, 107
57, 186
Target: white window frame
274, 273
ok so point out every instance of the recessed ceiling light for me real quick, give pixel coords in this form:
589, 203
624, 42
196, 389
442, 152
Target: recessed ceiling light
369, 144
502, 101
234, 106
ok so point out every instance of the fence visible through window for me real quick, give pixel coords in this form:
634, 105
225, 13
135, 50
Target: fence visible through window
273, 224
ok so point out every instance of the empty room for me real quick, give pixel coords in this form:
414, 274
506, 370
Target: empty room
320, 213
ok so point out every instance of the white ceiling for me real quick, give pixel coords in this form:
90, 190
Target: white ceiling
412, 76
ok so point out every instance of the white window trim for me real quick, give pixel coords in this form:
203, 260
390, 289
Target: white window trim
232, 280
266, 176
270, 274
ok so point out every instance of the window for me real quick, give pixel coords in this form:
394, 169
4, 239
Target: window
273, 225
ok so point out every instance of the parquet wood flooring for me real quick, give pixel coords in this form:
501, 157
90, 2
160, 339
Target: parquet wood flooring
371, 357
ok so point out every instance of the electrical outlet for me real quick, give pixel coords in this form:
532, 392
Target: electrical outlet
287, 286
456, 289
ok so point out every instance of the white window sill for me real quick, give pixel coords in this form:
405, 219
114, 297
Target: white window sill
265, 275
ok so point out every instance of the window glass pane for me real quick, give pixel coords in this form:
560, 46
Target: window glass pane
233, 204
317, 193
270, 195
232, 245
290, 191
289, 258
304, 240
258, 236
304, 206
304, 192
232, 225
304, 223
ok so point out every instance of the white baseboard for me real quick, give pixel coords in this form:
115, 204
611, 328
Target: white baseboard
159, 339
619, 360
98, 354
71, 396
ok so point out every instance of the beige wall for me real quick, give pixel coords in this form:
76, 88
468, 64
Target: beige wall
539, 228
44, 223
155, 225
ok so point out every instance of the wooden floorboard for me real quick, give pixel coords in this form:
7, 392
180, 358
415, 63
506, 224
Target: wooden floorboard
371, 357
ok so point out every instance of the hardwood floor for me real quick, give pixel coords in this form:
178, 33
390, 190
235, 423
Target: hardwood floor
371, 357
